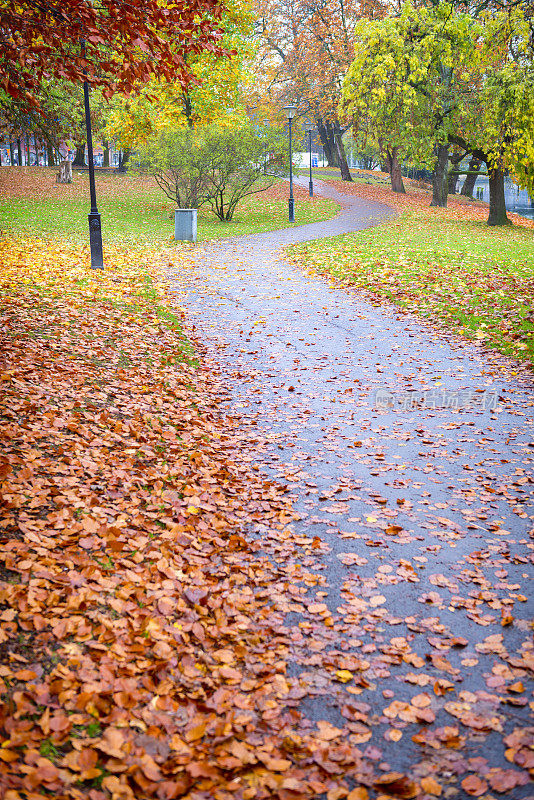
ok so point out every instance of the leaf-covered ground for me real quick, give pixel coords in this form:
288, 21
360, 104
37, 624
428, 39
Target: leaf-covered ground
133, 209
410, 633
443, 264
164, 622
141, 653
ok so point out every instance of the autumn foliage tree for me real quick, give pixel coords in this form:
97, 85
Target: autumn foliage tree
307, 47
412, 75
214, 95
126, 42
434, 76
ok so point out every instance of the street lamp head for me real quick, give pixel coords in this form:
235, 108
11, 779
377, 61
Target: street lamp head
290, 111
309, 126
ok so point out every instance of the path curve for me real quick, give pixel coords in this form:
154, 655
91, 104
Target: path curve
304, 361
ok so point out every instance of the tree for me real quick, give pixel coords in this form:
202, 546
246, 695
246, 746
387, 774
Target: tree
499, 126
438, 76
126, 42
307, 46
473, 171
409, 78
213, 96
215, 165
509, 92
58, 116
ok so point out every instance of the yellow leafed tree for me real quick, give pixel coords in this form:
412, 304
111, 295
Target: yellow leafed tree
214, 96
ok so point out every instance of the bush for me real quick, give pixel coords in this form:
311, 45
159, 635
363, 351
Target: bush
215, 165
243, 161
176, 159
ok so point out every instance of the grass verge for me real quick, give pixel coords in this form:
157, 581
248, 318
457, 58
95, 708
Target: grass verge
133, 210
479, 281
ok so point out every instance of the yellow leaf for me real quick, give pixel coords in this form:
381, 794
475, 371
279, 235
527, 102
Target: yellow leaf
344, 675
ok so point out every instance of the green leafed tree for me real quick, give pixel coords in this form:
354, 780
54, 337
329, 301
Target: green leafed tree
407, 83
509, 92
435, 76
214, 165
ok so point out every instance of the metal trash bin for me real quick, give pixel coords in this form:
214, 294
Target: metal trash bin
185, 224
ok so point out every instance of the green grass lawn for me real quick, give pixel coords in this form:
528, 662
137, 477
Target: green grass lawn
333, 174
138, 214
477, 280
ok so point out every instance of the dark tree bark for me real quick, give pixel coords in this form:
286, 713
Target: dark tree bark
188, 109
105, 145
79, 158
326, 135
452, 181
454, 173
439, 181
124, 155
471, 177
65, 172
394, 169
37, 148
28, 159
11, 152
19, 148
342, 157
497, 212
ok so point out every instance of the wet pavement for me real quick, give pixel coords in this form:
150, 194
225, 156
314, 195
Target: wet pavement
408, 453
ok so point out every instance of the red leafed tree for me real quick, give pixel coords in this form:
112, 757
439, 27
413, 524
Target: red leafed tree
126, 41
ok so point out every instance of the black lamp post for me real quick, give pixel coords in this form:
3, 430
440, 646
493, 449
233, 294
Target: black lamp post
309, 128
95, 225
290, 113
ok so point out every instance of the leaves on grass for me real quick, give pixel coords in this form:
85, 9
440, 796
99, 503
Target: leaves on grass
442, 264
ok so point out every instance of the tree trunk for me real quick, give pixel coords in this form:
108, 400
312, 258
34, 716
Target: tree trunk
11, 152
188, 109
124, 155
497, 210
471, 177
452, 181
105, 144
19, 148
65, 172
50, 155
327, 140
454, 174
79, 158
439, 181
342, 157
394, 169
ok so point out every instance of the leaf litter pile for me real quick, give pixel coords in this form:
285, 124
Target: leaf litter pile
155, 598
